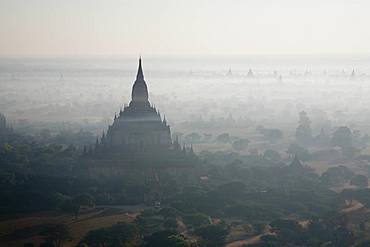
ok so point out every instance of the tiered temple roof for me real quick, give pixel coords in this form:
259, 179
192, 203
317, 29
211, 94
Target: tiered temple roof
139, 134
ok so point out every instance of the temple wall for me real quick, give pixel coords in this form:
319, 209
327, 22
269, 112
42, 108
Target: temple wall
145, 138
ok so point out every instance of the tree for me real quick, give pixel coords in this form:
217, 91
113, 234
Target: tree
289, 231
360, 181
343, 237
165, 239
170, 223
240, 145
74, 205
119, 235
323, 139
57, 235
272, 155
303, 132
69, 206
342, 137
213, 235
84, 200
124, 234
197, 219
193, 138
223, 138
336, 175
365, 243
349, 152
98, 237
301, 152
272, 135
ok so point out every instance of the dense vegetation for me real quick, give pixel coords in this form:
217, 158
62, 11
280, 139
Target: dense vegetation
286, 204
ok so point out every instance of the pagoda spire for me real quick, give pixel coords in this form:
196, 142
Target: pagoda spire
140, 75
139, 89
296, 162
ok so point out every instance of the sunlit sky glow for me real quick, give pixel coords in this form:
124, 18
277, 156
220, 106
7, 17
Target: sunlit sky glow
183, 27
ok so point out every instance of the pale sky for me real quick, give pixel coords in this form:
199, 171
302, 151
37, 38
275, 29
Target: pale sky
183, 27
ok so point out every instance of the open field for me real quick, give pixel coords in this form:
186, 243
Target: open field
26, 228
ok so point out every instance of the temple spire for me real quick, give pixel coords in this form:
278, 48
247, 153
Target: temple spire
140, 74
139, 89
296, 162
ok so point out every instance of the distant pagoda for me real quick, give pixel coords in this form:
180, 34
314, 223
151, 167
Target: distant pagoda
353, 74
139, 134
2, 123
296, 163
250, 73
5, 131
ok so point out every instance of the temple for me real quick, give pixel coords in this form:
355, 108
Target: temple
138, 126
139, 134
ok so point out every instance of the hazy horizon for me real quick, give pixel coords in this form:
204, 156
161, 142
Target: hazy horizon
179, 28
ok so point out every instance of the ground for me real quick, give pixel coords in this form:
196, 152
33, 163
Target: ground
15, 231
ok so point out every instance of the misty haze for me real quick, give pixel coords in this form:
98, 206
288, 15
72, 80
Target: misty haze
184, 123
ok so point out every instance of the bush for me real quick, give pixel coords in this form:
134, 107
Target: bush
213, 235
360, 181
196, 219
121, 234
301, 152
336, 175
165, 239
272, 155
223, 138
342, 137
241, 144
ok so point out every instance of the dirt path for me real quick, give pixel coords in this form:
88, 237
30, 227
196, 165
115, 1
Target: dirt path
253, 240
353, 206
